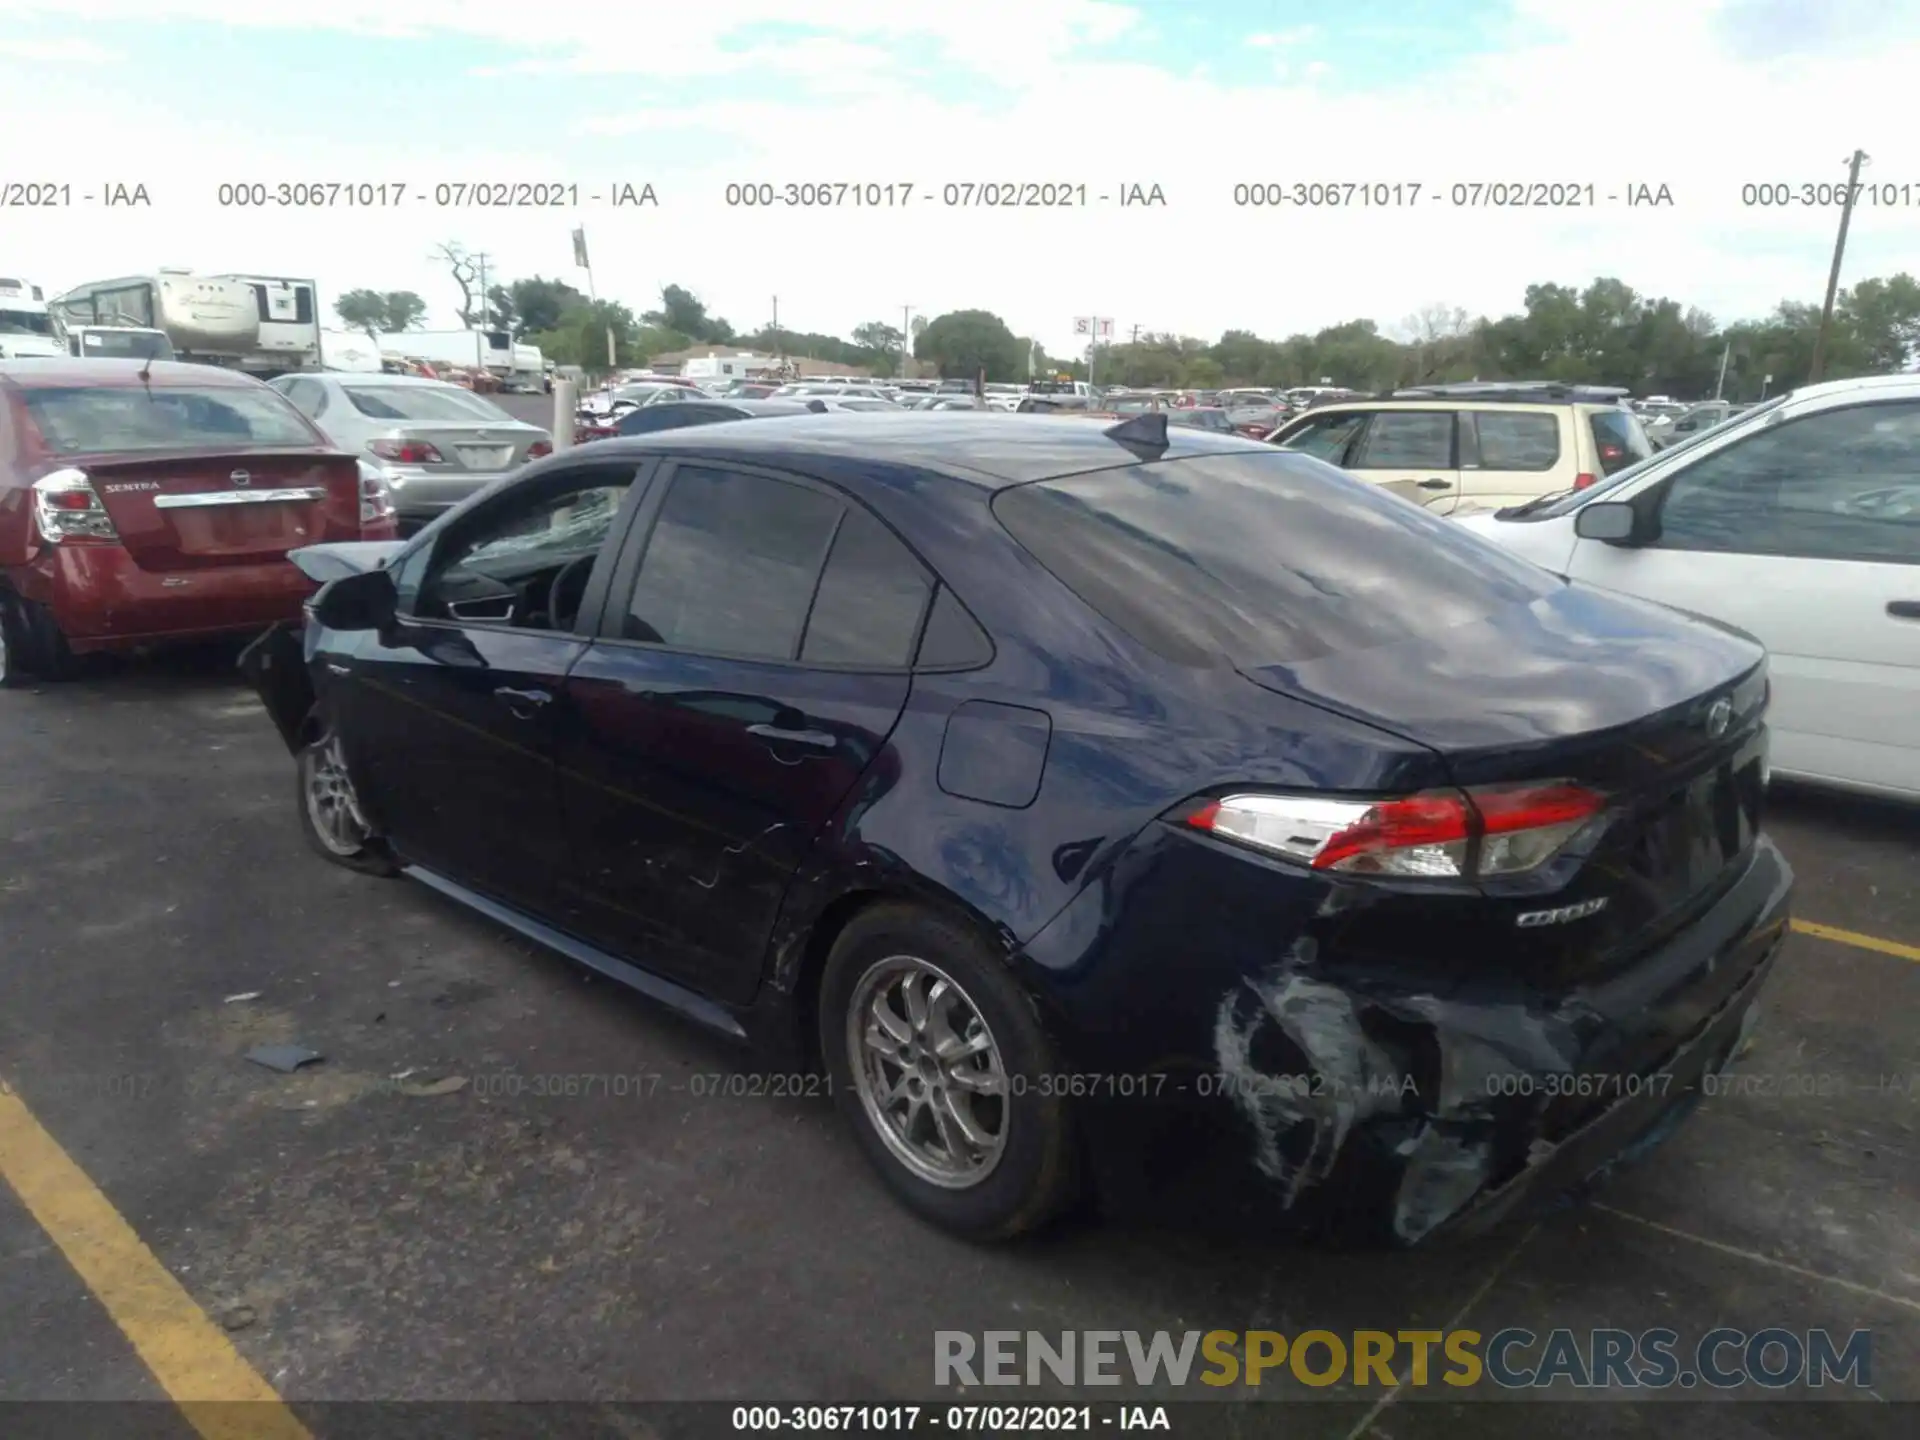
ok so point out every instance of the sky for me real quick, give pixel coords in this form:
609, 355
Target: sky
443, 97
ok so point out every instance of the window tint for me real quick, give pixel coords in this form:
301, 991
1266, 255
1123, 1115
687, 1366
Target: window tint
871, 597
1620, 439
1260, 558
76, 419
1517, 439
731, 565
1841, 485
1407, 440
424, 402
954, 638
1327, 437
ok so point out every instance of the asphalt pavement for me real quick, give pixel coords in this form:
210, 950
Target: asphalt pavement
590, 1215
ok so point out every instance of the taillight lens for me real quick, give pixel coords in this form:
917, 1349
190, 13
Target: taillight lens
376, 496
1446, 834
1582, 482
538, 450
65, 508
406, 452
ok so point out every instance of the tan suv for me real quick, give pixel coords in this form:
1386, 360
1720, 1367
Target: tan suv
1460, 449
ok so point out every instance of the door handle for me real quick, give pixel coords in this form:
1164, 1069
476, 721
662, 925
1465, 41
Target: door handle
1436, 484
517, 698
819, 739
1904, 609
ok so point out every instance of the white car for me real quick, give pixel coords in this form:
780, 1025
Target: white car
1798, 522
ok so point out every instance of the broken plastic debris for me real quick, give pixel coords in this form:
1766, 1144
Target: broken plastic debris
449, 1086
284, 1058
243, 997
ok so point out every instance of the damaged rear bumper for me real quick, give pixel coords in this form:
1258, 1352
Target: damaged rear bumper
1342, 1098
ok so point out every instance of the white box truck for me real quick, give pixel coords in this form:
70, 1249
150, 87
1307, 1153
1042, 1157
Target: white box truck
488, 350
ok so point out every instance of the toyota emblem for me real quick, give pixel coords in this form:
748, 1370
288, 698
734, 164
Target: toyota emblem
1719, 716
240, 477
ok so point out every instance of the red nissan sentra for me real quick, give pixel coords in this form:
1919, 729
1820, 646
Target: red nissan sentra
147, 503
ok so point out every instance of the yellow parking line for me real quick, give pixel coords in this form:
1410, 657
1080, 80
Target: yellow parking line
1857, 940
188, 1354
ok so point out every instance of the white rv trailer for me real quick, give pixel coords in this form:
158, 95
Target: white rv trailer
350, 350
289, 316
26, 325
488, 350
207, 318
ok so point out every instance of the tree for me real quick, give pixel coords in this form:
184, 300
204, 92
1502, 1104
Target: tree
539, 303
580, 337
682, 312
883, 342
964, 342
374, 313
501, 311
465, 271
363, 310
404, 310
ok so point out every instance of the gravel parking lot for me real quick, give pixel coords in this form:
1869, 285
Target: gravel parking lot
363, 1238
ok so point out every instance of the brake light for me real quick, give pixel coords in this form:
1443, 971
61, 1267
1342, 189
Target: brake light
66, 508
376, 496
406, 452
1582, 482
1489, 830
538, 450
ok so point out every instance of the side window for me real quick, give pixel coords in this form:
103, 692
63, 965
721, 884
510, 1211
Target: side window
871, 597
1407, 440
1517, 440
499, 564
1327, 436
954, 639
306, 396
1839, 485
731, 566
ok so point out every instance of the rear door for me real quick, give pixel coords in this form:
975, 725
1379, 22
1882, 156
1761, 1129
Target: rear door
1805, 533
1412, 453
1511, 455
751, 664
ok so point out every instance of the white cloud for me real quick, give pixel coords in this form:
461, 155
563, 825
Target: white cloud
861, 98
25, 50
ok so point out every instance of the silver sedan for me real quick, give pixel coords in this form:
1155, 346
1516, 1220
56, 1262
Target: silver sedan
433, 443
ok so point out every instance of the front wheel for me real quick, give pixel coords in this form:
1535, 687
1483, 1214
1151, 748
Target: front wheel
330, 813
939, 1063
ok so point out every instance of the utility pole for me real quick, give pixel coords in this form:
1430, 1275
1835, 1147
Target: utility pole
481, 261
1721, 384
1135, 338
906, 337
777, 350
1819, 364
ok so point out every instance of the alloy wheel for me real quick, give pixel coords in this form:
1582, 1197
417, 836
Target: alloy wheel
928, 1072
332, 807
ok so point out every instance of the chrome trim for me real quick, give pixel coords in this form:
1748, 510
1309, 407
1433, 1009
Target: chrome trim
234, 497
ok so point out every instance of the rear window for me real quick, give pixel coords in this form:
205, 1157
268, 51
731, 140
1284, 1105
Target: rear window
1620, 439
411, 402
76, 420
1260, 558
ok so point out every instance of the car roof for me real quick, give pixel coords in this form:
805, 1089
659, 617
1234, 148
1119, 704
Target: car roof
1000, 450
53, 371
377, 377
743, 403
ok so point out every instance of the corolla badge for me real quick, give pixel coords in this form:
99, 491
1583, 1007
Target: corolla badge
1719, 717
1533, 919
241, 477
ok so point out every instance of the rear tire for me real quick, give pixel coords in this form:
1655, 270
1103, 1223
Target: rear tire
330, 813
937, 1060
14, 669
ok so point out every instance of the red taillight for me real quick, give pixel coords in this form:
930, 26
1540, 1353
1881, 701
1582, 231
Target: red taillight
539, 449
1581, 482
1491, 830
66, 509
406, 452
69, 500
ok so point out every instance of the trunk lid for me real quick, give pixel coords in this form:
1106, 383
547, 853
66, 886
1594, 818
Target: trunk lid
186, 512
1663, 715
478, 448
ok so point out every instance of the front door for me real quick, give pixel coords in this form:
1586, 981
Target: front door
752, 662
1807, 534
452, 718
1410, 452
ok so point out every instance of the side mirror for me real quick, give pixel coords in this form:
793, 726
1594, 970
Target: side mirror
365, 601
1613, 521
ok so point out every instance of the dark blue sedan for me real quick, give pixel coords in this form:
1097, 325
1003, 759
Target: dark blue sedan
1093, 809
